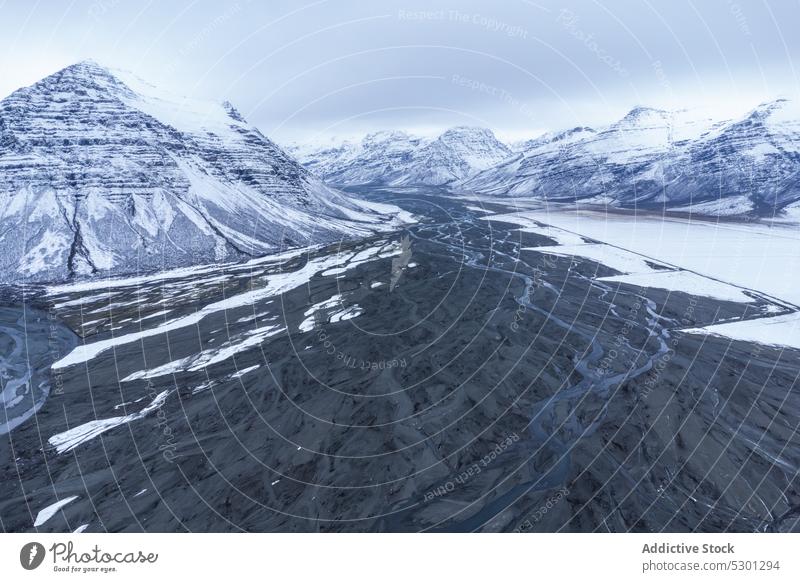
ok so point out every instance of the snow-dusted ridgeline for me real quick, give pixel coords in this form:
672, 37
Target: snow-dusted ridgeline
102, 173
396, 158
682, 160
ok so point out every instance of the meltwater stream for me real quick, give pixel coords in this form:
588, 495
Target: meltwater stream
285, 436
30, 340
543, 425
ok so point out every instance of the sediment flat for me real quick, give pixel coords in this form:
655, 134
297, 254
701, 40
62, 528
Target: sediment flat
441, 378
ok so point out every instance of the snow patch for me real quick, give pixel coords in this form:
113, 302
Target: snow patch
782, 330
51, 510
68, 440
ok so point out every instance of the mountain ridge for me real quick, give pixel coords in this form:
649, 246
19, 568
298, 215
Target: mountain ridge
659, 158
683, 159
397, 158
101, 172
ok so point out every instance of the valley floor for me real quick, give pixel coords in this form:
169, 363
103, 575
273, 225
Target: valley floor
731, 256
483, 370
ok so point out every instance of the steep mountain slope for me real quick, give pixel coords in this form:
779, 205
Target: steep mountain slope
101, 172
526, 171
626, 161
379, 157
755, 159
456, 154
397, 158
660, 158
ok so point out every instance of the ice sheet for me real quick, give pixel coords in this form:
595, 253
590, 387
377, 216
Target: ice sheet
685, 281
755, 256
530, 224
781, 330
616, 258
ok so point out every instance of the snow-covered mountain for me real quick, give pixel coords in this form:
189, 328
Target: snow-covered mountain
398, 159
755, 159
378, 158
651, 157
101, 172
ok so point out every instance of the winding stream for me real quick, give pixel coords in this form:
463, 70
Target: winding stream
29, 342
544, 423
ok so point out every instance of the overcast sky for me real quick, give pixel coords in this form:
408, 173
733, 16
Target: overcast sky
302, 70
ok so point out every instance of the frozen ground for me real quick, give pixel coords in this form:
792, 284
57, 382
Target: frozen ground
343, 389
754, 256
782, 330
729, 261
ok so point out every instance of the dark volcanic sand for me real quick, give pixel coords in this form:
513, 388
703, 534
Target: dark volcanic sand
491, 389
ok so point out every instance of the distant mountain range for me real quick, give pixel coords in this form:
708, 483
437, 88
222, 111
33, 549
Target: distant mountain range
101, 172
396, 158
650, 159
661, 158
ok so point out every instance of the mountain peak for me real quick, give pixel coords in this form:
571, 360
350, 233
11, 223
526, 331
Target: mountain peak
468, 132
397, 158
645, 110
468, 129
88, 65
89, 69
643, 113
386, 135
109, 174
769, 108
81, 77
